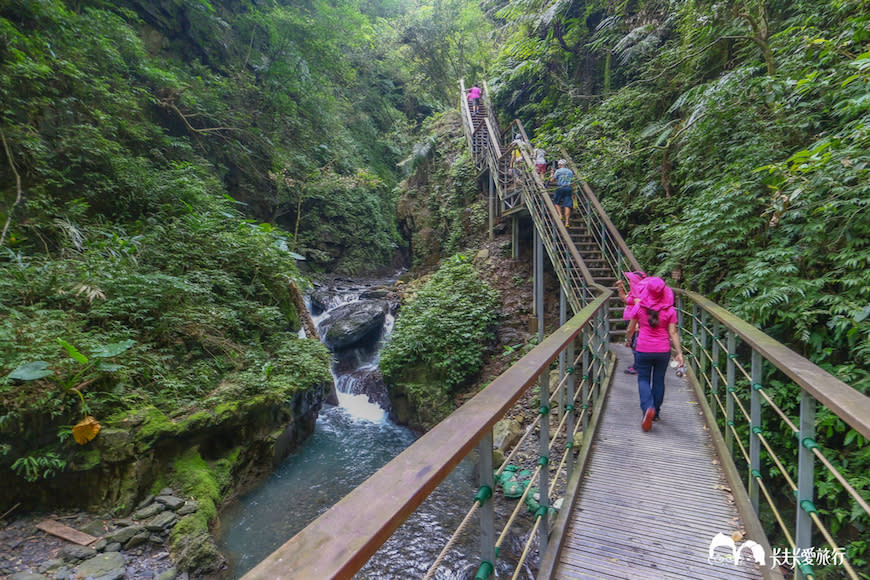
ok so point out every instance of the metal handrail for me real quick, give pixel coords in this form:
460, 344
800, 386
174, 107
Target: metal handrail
613, 248
849, 404
740, 398
344, 538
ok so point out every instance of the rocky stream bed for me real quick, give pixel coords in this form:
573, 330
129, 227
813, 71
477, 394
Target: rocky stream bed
131, 548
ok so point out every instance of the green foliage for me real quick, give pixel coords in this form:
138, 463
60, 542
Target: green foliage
729, 139
76, 378
38, 466
336, 209
441, 334
441, 197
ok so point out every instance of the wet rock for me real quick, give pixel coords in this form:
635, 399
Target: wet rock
115, 445
367, 381
148, 511
138, 540
505, 434
170, 501
27, 576
149, 499
95, 528
108, 566
50, 565
376, 293
188, 508
167, 574
74, 553
162, 521
320, 301
355, 323
124, 534
113, 547
100, 545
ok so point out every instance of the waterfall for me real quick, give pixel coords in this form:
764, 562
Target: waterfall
350, 442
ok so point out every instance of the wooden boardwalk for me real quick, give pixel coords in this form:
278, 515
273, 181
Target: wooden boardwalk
650, 503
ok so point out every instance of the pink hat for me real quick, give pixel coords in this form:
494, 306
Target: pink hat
635, 284
656, 294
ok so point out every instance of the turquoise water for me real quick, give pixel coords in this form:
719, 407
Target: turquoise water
350, 442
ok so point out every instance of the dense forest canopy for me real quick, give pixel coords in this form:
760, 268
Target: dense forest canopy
168, 165
165, 166
727, 140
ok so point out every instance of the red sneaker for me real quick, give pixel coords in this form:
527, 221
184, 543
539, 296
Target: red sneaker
646, 425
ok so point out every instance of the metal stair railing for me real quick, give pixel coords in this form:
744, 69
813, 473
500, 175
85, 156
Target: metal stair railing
341, 540
738, 373
614, 250
489, 153
765, 398
520, 181
571, 270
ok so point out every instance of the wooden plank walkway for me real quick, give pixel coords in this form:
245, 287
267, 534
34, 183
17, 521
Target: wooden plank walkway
650, 503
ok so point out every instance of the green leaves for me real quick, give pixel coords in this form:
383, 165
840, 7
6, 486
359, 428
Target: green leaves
443, 330
31, 371
73, 352
114, 349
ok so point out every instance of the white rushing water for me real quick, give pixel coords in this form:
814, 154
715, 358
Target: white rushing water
350, 442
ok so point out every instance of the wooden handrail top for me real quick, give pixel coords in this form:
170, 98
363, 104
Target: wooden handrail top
849, 404
344, 538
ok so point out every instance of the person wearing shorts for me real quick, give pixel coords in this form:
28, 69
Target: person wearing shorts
563, 197
541, 161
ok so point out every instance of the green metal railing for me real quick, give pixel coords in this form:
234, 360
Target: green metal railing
339, 542
770, 401
344, 538
614, 250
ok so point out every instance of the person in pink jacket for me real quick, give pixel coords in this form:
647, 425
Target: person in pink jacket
657, 334
474, 99
635, 285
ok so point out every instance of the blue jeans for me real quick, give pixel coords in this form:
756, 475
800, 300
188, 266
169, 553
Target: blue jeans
651, 368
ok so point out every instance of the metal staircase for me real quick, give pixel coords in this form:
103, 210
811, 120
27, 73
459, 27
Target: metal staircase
588, 256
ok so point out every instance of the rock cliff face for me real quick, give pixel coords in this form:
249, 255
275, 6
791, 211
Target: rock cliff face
243, 440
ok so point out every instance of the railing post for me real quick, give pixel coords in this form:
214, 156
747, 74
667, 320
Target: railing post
601, 340
515, 237
729, 398
755, 429
543, 461
491, 208
487, 508
705, 333
563, 317
572, 402
586, 376
695, 315
714, 369
805, 480
539, 284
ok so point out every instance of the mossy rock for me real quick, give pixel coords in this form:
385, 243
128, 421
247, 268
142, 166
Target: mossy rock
115, 444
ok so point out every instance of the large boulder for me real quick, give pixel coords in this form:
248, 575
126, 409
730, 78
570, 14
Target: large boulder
356, 323
366, 381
